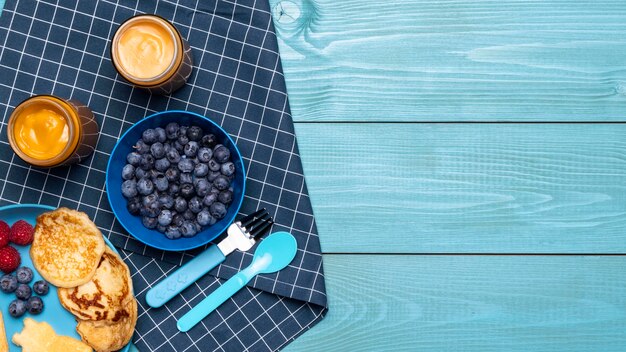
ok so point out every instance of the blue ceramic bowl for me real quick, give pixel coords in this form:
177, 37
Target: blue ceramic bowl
132, 223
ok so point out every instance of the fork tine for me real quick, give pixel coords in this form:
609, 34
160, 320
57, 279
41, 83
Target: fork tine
248, 219
261, 230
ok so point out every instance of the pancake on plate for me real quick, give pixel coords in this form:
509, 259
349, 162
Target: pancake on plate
102, 297
109, 335
40, 336
66, 248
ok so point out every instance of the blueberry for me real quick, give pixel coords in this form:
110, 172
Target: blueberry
129, 188
162, 164
225, 197
214, 165
17, 308
145, 186
172, 174
161, 135
140, 173
186, 177
128, 172
209, 199
201, 170
215, 191
147, 162
141, 147
173, 156
149, 222
165, 218
134, 205
161, 183
185, 165
218, 210
149, 199
195, 204
182, 138
166, 201
205, 154
213, 175
178, 220
41, 287
204, 218
220, 182
221, 153
191, 149
157, 150
8, 283
149, 136
180, 204
35, 305
189, 215
161, 228
179, 147
171, 130
188, 229
209, 140
187, 190
134, 158
195, 133
202, 187
151, 206
24, 275
227, 168
173, 189
172, 232
23, 291
167, 146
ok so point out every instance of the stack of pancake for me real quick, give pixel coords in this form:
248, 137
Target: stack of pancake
93, 282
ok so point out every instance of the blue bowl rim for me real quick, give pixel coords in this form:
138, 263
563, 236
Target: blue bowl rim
243, 184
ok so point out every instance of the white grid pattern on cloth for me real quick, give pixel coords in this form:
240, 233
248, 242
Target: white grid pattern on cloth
62, 49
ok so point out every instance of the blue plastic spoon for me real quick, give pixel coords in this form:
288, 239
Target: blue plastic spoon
273, 254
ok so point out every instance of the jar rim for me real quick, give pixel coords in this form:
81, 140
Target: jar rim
69, 113
172, 68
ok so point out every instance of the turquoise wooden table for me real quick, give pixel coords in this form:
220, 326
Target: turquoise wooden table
467, 166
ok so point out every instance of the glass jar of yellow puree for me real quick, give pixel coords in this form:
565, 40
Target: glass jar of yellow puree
149, 52
48, 131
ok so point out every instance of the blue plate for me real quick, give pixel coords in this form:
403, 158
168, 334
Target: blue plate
132, 223
53, 313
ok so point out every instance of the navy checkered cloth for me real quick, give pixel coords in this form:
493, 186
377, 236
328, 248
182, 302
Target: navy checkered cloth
62, 48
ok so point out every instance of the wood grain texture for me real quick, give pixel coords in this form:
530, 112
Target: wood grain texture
471, 303
480, 60
467, 188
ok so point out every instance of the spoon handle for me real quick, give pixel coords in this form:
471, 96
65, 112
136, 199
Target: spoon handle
215, 299
184, 276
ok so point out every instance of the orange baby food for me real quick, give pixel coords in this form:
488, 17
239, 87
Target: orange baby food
41, 132
146, 48
48, 131
149, 52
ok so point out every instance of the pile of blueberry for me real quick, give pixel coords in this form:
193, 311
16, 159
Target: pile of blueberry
178, 180
18, 284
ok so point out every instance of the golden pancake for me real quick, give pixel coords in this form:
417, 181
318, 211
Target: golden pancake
66, 248
110, 335
104, 295
38, 337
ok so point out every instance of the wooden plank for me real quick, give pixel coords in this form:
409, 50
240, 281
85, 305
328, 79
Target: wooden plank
471, 303
408, 60
467, 188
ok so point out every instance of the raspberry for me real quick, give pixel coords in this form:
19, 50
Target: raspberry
22, 233
9, 259
5, 233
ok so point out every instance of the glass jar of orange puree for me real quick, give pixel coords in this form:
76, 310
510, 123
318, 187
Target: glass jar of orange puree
149, 52
48, 131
